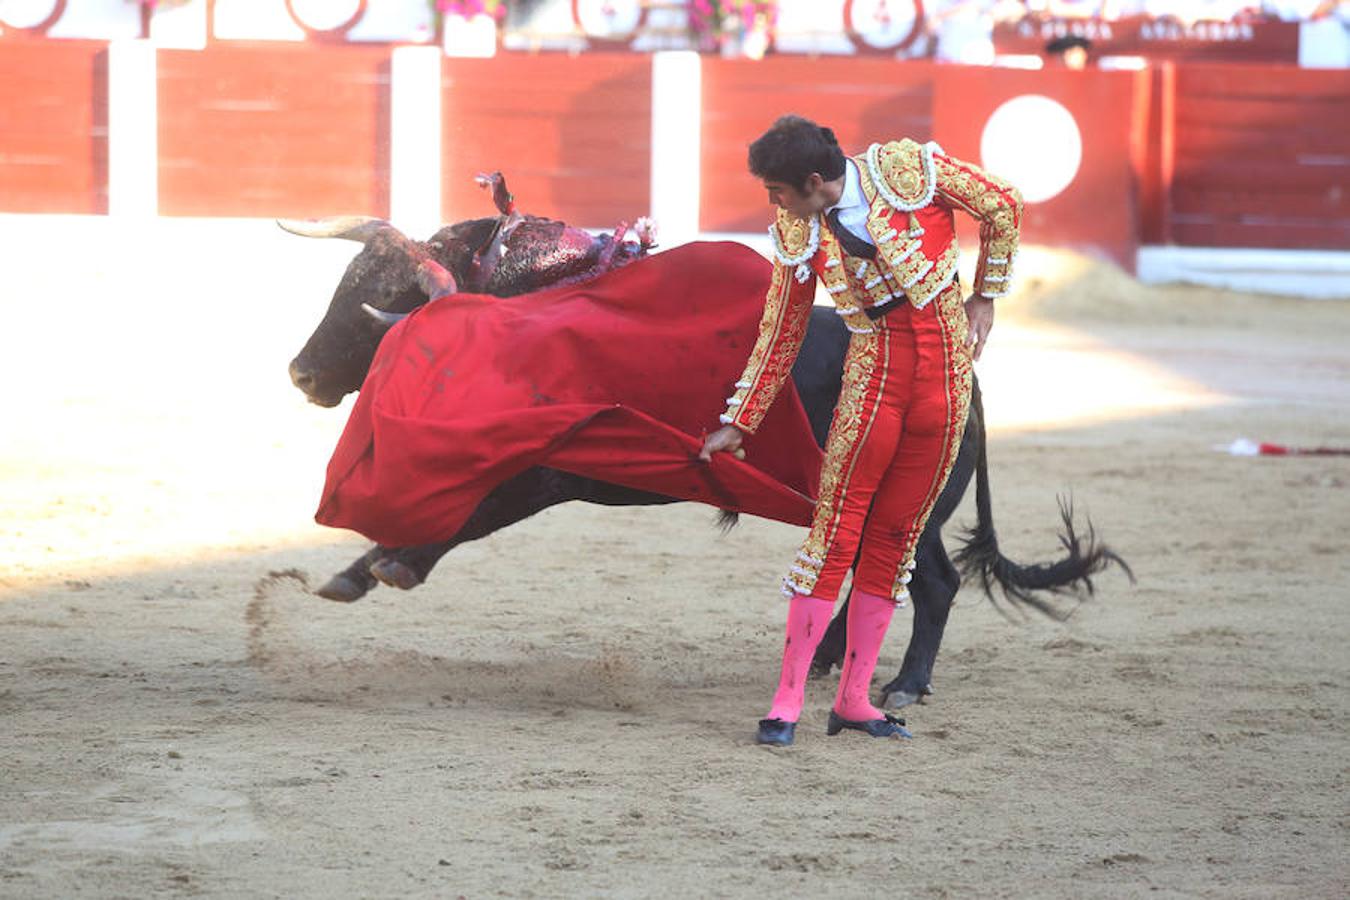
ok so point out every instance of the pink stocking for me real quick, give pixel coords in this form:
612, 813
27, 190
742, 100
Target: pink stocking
808, 617
868, 618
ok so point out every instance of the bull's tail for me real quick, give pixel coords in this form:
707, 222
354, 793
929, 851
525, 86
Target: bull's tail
980, 558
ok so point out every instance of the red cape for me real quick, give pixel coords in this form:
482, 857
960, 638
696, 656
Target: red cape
617, 378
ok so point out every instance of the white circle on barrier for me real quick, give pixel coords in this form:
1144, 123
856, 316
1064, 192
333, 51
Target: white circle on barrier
26, 13
324, 15
882, 24
1035, 143
608, 19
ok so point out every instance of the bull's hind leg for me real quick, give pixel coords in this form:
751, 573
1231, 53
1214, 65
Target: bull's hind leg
935, 583
932, 590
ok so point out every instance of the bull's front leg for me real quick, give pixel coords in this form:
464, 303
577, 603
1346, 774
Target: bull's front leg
353, 582
511, 501
532, 491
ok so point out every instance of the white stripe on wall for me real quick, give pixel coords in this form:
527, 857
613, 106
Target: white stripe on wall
677, 103
415, 140
133, 139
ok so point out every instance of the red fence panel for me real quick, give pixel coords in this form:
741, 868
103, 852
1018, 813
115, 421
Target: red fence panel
1262, 158
287, 130
572, 135
1195, 154
1098, 211
862, 100
54, 127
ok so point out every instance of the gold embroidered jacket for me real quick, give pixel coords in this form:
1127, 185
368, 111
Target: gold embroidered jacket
912, 191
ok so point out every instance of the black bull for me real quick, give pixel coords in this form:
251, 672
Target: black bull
394, 274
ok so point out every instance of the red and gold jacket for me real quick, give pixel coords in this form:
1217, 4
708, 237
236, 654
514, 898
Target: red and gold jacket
913, 191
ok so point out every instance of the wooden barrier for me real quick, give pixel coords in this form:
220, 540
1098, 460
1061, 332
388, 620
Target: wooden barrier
862, 100
54, 127
1098, 210
572, 135
1261, 159
268, 130
1188, 154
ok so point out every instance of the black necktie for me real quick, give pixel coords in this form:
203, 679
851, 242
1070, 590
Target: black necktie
853, 245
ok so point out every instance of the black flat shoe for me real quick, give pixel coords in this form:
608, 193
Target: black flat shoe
776, 732
887, 726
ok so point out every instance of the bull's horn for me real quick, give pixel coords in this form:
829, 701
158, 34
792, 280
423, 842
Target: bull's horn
352, 228
382, 316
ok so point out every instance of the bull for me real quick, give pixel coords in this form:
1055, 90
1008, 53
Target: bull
512, 254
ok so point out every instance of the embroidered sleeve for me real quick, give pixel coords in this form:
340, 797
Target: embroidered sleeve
997, 205
787, 310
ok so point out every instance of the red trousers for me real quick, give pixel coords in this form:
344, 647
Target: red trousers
896, 431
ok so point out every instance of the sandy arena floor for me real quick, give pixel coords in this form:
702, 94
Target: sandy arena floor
566, 708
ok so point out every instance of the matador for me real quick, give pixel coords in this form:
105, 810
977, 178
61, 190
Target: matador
878, 232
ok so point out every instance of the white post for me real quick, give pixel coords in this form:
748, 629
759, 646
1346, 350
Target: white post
415, 140
677, 109
133, 140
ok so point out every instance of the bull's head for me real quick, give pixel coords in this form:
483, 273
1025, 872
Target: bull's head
391, 276
506, 255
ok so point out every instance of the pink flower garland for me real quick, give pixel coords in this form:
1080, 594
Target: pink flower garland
470, 8
708, 19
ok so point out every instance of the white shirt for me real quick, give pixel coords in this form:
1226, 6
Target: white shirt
853, 207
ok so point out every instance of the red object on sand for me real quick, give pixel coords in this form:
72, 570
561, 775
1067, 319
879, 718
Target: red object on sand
616, 379
1245, 447
1281, 450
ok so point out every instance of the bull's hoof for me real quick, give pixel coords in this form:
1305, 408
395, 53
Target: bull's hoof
897, 698
395, 574
342, 589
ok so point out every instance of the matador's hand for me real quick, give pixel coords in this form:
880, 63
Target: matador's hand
979, 321
726, 439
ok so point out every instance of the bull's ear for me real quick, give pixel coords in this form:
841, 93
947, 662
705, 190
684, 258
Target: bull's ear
435, 279
351, 228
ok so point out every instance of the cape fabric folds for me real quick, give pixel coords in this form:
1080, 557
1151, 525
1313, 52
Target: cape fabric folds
617, 379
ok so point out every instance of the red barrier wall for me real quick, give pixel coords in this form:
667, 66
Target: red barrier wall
1099, 210
862, 100
572, 135
274, 130
54, 127
873, 100
1201, 155
1262, 158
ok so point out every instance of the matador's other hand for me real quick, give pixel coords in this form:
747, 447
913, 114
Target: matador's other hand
726, 439
979, 321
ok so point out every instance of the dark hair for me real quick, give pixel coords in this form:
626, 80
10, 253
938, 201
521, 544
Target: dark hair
792, 149
1066, 43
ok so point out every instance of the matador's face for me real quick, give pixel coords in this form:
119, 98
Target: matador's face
802, 202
